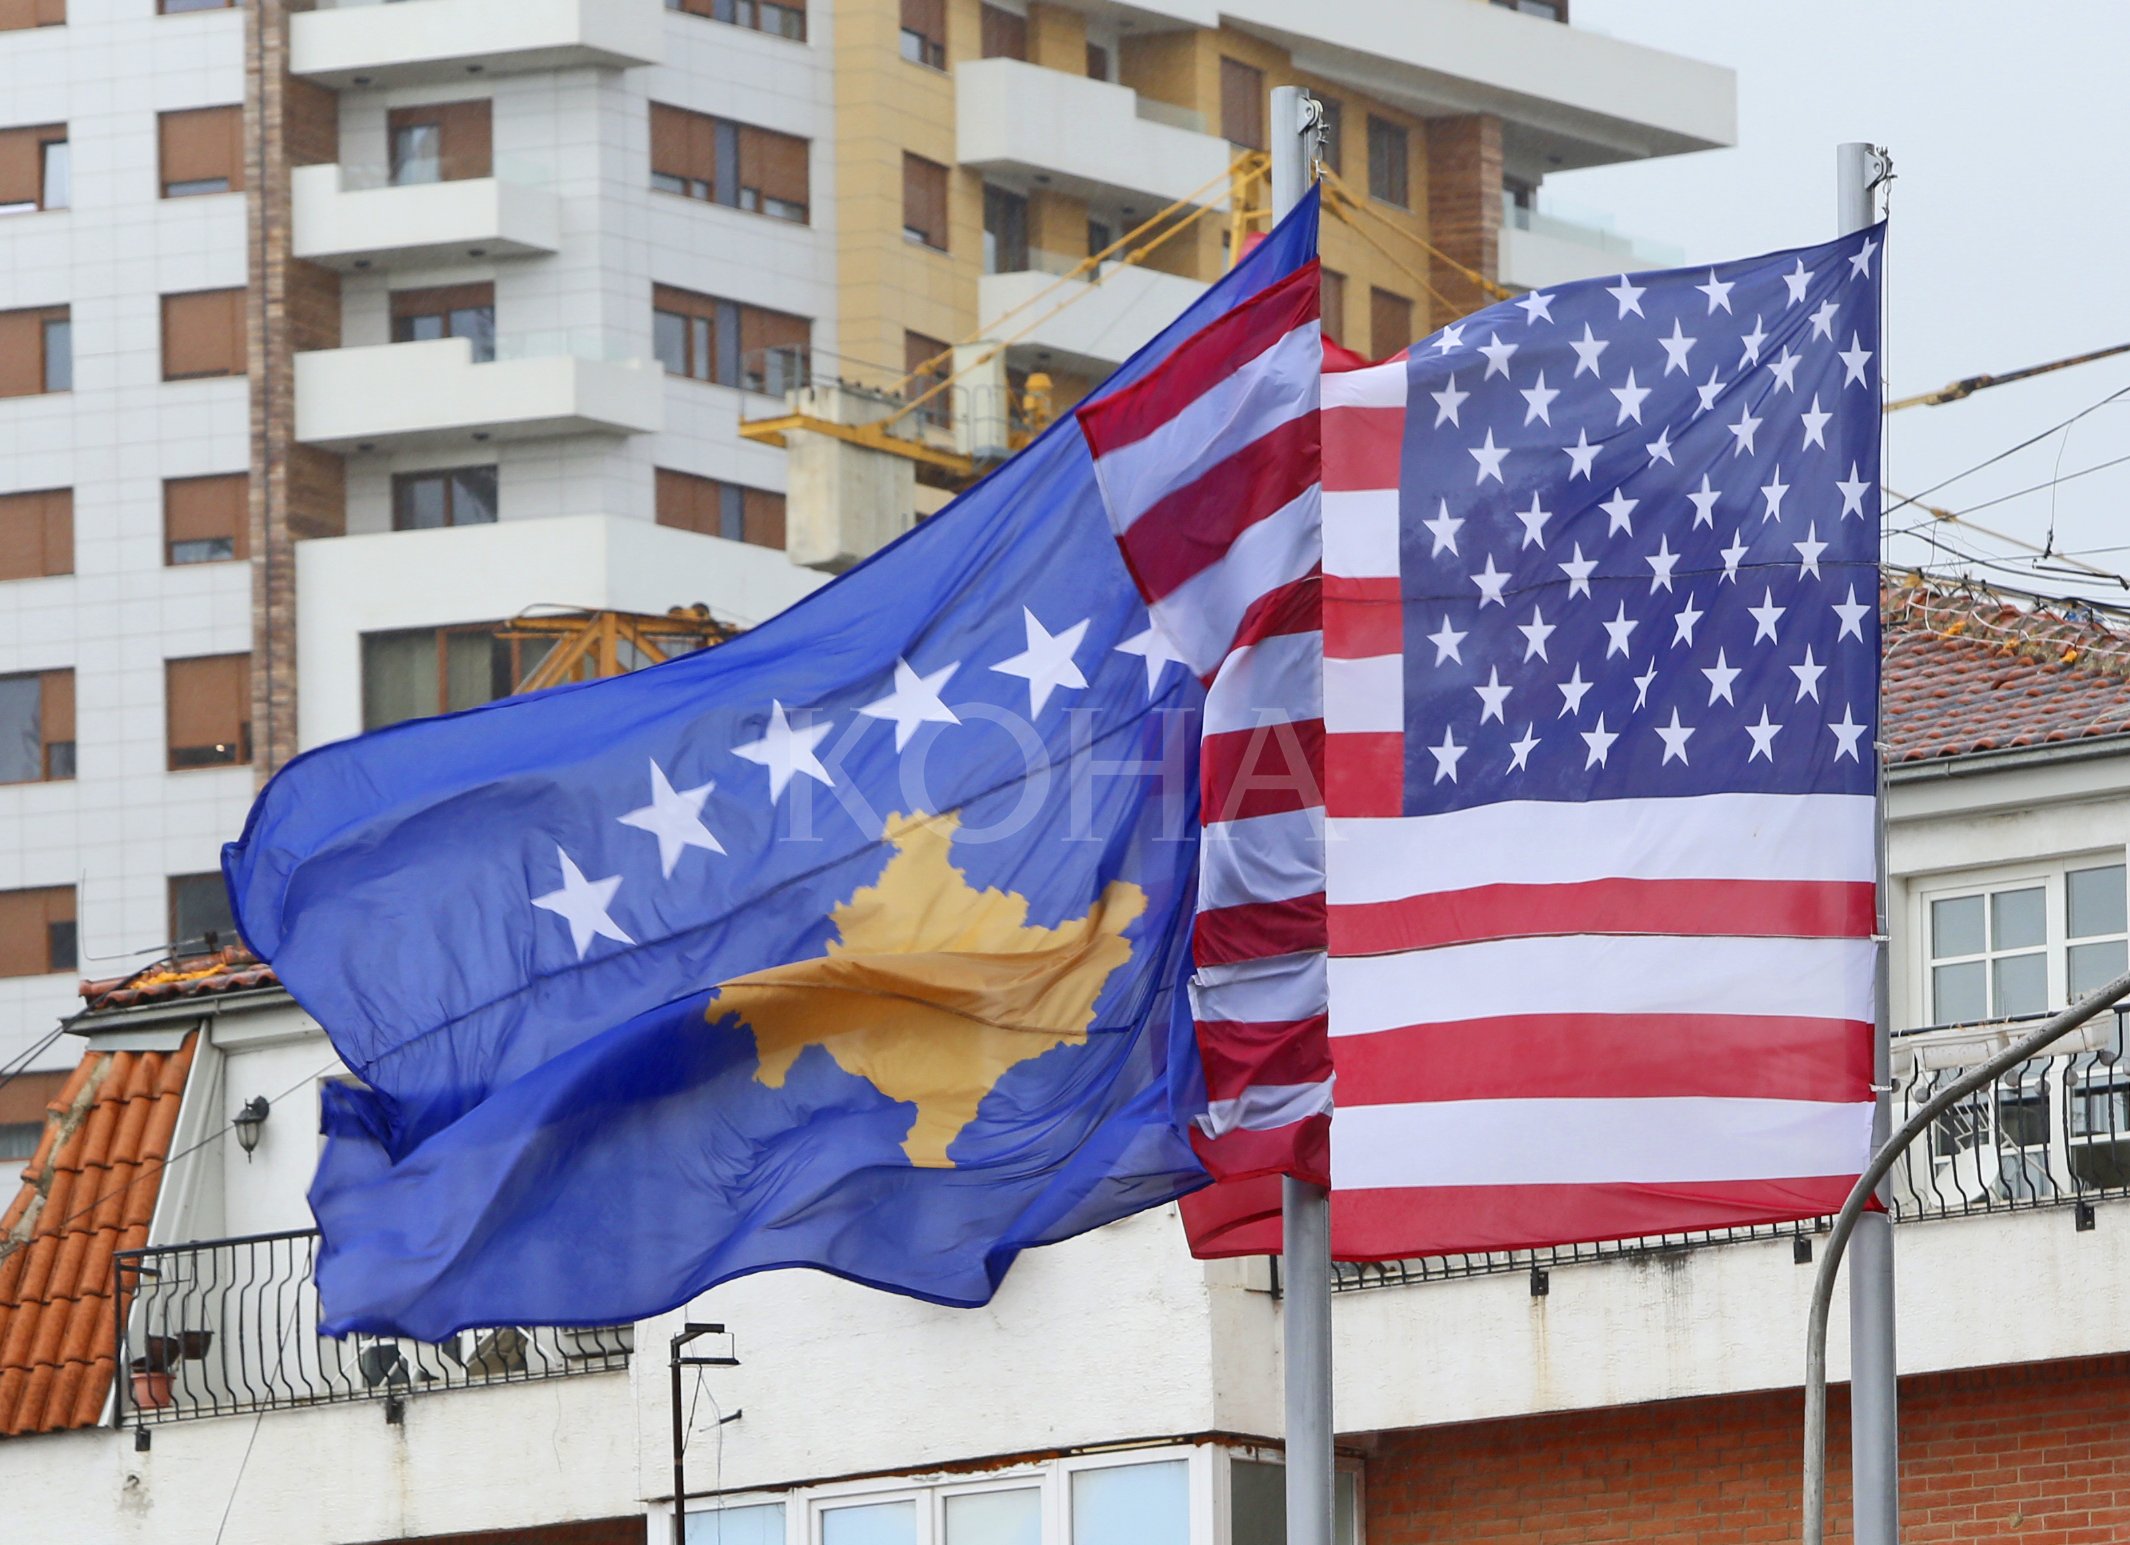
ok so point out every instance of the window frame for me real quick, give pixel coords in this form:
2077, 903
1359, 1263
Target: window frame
1404, 198
54, 543
913, 235
55, 755
730, 11
243, 748
453, 482
2050, 876
55, 962
234, 297
524, 655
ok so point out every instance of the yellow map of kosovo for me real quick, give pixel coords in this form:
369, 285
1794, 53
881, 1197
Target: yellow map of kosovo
933, 990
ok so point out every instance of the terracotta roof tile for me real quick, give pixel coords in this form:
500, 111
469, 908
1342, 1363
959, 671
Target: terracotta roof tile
88, 1193
1971, 669
232, 969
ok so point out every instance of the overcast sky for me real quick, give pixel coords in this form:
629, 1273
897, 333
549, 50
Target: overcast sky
2009, 126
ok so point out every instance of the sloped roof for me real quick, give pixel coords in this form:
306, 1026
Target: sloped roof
1971, 668
89, 1190
230, 969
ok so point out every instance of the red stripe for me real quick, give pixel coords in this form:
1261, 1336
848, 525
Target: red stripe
1262, 771
1301, 1149
1607, 1057
1243, 1217
1258, 930
1364, 775
1776, 909
1363, 448
1362, 618
1216, 351
1241, 1055
1189, 529
1295, 607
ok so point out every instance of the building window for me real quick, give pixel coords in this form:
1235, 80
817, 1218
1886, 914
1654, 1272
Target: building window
728, 344
1242, 105
443, 142
200, 917
1389, 163
924, 202
924, 32
1547, 10
208, 702
37, 931
1005, 231
451, 311
33, 169
36, 351
714, 508
37, 727
37, 533
734, 164
780, 18
202, 151
1332, 298
203, 334
176, 7
16, 14
1390, 323
2021, 947
929, 363
1097, 62
1334, 134
456, 496
1004, 32
206, 519
413, 673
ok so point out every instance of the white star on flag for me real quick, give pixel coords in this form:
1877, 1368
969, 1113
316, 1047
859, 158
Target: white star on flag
915, 700
786, 751
675, 818
1046, 664
583, 905
1153, 646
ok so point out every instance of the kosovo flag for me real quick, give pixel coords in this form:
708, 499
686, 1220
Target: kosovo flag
858, 942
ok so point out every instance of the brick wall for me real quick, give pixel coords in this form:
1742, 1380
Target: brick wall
1464, 208
2037, 1454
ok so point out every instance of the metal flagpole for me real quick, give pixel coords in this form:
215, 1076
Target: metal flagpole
1874, 1398
1305, 1209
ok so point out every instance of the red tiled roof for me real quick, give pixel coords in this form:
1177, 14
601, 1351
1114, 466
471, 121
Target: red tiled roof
88, 1191
231, 969
1970, 669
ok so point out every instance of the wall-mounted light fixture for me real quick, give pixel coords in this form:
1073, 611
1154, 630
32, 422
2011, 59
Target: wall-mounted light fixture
249, 1122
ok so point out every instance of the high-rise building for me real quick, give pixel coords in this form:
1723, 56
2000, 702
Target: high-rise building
333, 335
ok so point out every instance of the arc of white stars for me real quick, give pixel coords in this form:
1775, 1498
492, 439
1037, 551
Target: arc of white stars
1152, 646
1489, 456
1674, 737
1497, 354
583, 904
1853, 359
1447, 403
915, 700
675, 818
787, 751
1047, 663
1763, 735
1599, 740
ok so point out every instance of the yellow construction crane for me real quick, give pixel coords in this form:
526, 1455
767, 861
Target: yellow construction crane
589, 644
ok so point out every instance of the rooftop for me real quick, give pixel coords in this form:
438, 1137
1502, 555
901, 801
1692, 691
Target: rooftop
230, 969
1972, 668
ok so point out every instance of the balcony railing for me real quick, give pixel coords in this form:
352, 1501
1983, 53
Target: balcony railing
2052, 1132
225, 1326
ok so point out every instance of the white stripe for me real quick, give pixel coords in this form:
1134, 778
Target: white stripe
1279, 385
1276, 680
1373, 386
1589, 1142
1202, 613
1261, 858
1364, 696
1261, 991
1361, 533
1603, 974
1545, 842
1261, 1107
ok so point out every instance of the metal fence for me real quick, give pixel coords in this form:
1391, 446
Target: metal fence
2052, 1132
224, 1326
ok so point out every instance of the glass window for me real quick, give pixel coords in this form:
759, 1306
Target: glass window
870, 1523
1257, 1504
418, 153
1005, 231
21, 729
669, 341
996, 1517
199, 911
1989, 955
58, 354
58, 174
761, 1524
2095, 923
1388, 163
1132, 1504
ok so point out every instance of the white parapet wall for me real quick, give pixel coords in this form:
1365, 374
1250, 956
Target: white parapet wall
433, 393
423, 223
434, 40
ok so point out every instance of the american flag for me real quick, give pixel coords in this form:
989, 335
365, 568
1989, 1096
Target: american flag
1600, 572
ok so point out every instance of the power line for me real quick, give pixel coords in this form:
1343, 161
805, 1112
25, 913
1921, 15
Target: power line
1917, 498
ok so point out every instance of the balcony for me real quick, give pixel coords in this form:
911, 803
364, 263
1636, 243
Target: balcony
351, 217
1078, 136
1539, 249
374, 43
226, 1326
433, 393
1104, 324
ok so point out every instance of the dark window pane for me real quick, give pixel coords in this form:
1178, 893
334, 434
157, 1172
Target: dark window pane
418, 153
422, 501
398, 677
1956, 926
2019, 984
1957, 995
2095, 901
62, 945
2016, 920
477, 324
199, 906
669, 341
59, 355
21, 729
473, 496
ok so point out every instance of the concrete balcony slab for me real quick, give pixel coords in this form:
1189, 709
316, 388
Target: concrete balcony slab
351, 228
368, 43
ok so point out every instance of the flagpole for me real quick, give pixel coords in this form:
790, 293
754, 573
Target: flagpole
1874, 1392
1305, 1209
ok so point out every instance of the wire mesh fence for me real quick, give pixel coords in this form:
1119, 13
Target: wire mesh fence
223, 1326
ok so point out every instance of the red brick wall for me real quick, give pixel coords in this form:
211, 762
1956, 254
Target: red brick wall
2038, 1454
